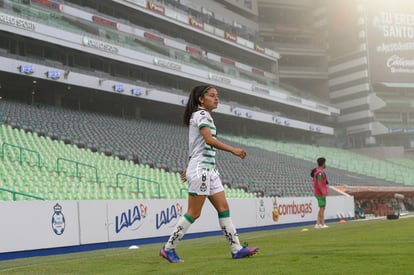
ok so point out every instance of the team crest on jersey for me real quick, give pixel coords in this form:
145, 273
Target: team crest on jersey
203, 187
202, 113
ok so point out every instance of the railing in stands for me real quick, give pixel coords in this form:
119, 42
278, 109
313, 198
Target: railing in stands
21, 151
77, 164
181, 192
138, 179
15, 193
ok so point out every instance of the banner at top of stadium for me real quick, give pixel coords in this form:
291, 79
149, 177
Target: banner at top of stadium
390, 35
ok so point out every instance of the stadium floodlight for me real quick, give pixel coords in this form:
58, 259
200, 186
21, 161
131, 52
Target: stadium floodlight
53, 75
26, 69
118, 88
136, 91
237, 112
278, 120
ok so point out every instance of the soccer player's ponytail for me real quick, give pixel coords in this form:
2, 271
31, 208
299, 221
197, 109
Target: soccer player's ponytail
193, 102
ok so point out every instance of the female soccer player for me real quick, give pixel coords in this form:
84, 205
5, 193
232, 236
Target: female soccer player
202, 176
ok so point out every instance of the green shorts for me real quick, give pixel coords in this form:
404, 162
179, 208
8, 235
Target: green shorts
321, 200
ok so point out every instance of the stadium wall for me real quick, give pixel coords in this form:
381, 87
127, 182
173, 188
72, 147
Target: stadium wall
31, 226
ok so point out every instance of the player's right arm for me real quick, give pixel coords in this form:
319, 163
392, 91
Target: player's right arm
183, 175
208, 138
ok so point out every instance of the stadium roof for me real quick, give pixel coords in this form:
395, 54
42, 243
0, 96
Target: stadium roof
376, 192
397, 85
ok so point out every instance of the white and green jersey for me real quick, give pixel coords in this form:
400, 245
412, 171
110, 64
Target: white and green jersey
201, 155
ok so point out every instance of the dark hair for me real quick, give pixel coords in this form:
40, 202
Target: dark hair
193, 102
321, 161
312, 174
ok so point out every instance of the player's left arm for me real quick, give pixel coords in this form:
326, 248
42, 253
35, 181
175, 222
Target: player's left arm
208, 138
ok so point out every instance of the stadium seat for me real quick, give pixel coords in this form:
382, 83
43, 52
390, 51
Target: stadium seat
273, 168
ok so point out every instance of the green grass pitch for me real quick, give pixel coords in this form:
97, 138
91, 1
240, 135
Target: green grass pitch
355, 247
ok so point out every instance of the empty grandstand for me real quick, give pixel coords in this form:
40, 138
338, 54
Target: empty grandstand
93, 94
104, 153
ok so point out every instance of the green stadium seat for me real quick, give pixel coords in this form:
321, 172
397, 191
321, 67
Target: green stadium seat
276, 163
